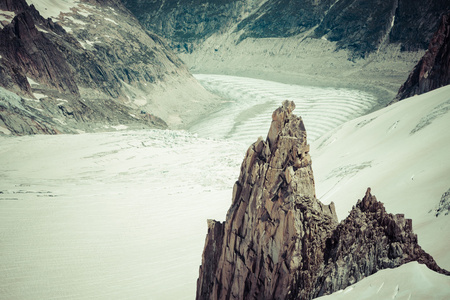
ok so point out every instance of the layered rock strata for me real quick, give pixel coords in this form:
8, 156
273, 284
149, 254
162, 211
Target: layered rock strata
433, 70
280, 242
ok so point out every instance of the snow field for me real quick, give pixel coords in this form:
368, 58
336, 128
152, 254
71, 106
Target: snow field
407, 168
109, 216
123, 215
52, 8
410, 281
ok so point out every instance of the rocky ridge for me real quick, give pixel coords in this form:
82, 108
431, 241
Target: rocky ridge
89, 68
280, 242
433, 69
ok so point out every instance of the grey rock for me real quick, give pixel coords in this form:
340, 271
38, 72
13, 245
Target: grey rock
98, 76
433, 70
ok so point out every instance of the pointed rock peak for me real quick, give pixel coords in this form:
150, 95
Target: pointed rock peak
284, 123
280, 242
369, 202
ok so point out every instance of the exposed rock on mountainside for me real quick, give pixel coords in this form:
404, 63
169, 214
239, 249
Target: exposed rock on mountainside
185, 22
358, 25
280, 242
345, 43
96, 64
433, 70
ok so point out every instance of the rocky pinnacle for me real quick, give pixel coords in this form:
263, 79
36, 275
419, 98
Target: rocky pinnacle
280, 242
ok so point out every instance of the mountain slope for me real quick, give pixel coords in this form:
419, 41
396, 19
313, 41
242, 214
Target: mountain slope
97, 58
366, 45
401, 151
359, 25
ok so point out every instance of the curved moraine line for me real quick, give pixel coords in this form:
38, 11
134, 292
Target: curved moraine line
246, 114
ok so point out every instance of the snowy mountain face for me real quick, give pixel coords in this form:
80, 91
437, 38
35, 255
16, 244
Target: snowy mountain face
89, 65
369, 45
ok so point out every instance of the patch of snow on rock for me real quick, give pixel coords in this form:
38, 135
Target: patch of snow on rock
52, 8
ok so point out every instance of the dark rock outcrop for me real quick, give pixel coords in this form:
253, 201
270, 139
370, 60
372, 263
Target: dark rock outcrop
280, 242
369, 240
97, 59
433, 70
33, 54
185, 22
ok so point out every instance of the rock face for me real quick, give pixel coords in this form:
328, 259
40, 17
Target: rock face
369, 240
89, 67
185, 22
280, 242
28, 51
359, 26
433, 70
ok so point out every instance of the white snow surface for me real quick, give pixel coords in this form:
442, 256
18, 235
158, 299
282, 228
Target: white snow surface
122, 215
403, 153
52, 8
111, 215
409, 281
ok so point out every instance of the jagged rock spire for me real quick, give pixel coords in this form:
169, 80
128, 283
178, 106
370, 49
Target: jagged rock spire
280, 242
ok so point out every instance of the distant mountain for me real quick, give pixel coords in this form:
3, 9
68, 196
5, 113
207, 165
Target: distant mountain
360, 25
433, 70
88, 65
368, 45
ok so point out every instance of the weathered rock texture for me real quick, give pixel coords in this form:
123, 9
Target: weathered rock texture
280, 242
96, 57
368, 240
358, 25
433, 70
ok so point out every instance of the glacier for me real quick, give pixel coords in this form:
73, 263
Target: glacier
122, 215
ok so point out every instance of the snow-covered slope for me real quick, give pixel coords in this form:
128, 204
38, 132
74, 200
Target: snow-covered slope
123, 215
410, 281
403, 153
52, 8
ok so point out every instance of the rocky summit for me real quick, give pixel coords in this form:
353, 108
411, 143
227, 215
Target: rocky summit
280, 242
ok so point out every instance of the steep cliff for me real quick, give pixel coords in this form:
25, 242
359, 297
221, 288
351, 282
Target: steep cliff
97, 58
183, 23
280, 242
433, 70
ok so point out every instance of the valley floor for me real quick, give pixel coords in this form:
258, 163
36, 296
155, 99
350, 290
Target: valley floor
305, 61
